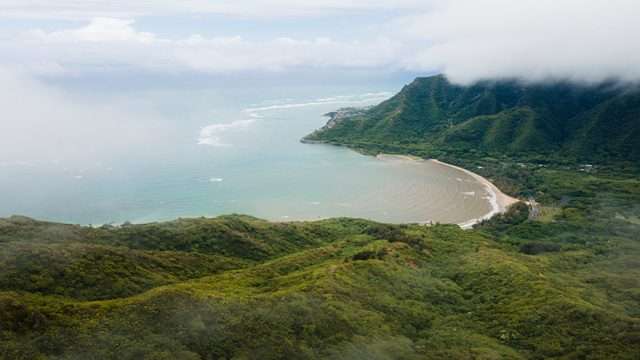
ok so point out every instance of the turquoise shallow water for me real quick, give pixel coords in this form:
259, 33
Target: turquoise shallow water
223, 152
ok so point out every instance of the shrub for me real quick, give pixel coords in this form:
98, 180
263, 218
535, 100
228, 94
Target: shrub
534, 248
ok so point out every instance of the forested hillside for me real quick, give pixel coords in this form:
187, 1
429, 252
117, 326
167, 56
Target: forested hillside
235, 287
564, 120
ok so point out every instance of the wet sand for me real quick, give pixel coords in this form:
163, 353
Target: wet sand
498, 200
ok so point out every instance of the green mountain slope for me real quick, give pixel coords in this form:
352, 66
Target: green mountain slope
237, 287
587, 122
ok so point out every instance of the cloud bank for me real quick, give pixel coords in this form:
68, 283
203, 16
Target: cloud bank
42, 125
581, 40
106, 43
82, 9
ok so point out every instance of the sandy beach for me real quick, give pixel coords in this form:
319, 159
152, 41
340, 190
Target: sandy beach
398, 157
499, 201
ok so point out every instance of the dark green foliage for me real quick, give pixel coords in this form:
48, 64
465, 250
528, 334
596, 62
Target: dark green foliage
431, 115
331, 289
534, 248
516, 214
368, 254
386, 232
92, 272
234, 236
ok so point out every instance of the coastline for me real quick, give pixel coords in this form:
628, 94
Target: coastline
500, 202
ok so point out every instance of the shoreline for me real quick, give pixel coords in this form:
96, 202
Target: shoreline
499, 201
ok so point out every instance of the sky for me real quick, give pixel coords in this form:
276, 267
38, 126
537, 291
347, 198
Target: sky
468, 40
48, 47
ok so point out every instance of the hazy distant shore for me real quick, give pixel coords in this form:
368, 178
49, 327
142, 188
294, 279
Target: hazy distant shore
498, 200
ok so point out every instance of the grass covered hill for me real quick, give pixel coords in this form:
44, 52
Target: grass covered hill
236, 287
560, 119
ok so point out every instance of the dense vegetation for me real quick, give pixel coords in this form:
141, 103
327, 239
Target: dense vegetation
565, 285
561, 283
561, 120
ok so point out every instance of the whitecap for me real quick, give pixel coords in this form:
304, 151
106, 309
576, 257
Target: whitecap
255, 115
338, 99
211, 135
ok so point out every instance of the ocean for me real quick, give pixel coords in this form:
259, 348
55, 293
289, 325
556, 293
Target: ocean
208, 150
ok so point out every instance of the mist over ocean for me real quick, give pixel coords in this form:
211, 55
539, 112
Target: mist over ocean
144, 152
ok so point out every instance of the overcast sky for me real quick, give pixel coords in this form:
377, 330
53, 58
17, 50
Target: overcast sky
585, 40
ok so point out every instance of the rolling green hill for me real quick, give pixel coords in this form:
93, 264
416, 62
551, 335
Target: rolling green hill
236, 287
594, 123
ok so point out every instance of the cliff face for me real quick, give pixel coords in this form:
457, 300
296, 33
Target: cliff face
588, 122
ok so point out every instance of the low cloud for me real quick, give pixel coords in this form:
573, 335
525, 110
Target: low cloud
468, 40
105, 30
80, 9
533, 40
107, 44
42, 125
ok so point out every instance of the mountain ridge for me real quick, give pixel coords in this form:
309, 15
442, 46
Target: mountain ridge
339, 288
587, 122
